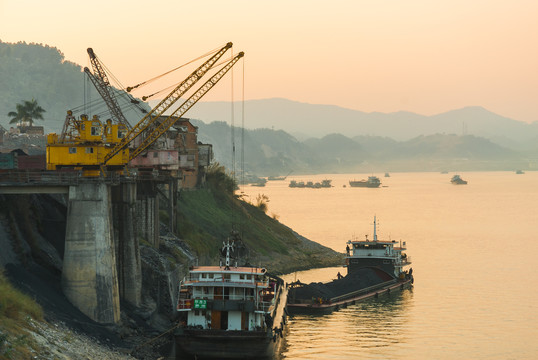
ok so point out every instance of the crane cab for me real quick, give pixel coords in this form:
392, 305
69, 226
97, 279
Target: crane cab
91, 130
86, 146
114, 133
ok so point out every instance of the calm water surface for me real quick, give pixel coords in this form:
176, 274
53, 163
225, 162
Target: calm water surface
474, 249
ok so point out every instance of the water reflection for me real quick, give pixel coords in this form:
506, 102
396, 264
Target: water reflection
344, 333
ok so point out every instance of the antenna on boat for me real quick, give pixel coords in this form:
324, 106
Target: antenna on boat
375, 230
227, 246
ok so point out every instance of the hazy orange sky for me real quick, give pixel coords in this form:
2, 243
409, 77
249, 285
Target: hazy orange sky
422, 56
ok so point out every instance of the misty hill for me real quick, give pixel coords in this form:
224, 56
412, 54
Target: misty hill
286, 135
309, 120
270, 152
41, 72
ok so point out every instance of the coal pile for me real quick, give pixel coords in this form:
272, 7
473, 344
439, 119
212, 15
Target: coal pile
357, 280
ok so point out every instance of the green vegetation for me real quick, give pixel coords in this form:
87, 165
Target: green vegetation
261, 202
207, 216
16, 312
26, 113
41, 71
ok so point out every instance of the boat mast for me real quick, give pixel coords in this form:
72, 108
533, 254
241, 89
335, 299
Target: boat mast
228, 247
375, 233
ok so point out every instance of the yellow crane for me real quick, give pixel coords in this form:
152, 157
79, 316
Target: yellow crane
95, 148
99, 78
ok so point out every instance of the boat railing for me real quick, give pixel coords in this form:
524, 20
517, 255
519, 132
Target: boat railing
220, 297
188, 304
403, 261
196, 279
184, 304
265, 306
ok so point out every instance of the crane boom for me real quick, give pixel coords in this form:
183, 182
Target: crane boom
101, 83
187, 104
151, 117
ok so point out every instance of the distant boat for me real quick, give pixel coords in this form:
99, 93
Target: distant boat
278, 178
520, 172
457, 180
372, 182
310, 184
260, 183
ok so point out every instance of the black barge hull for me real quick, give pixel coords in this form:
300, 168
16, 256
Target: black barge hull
389, 287
221, 344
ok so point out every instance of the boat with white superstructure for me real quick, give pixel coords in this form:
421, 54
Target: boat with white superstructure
374, 267
230, 311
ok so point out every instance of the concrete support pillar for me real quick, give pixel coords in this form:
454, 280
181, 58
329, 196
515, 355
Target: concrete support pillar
89, 278
127, 244
147, 213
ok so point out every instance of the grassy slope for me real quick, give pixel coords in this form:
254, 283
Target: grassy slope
206, 218
16, 313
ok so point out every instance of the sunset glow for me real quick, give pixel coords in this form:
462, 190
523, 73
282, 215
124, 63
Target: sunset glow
386, 56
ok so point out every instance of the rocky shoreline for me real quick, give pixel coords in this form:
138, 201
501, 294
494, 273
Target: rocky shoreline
29, 237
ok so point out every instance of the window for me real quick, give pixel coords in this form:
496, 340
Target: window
155, 154
96, 131
89, 150
249, 277
211, 276
204, 275
72, 150
242, 276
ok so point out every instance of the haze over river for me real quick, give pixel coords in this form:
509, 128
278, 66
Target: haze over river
474, 250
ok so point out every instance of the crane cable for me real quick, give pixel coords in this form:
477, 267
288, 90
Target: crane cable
234, 210
130, 88
242, 224
122, 92
145, 97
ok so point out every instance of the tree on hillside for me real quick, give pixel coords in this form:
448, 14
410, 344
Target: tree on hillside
26, 113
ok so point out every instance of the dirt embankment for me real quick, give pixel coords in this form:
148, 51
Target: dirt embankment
32, 232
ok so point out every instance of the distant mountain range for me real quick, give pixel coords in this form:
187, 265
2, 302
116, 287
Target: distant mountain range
304, 121
282, 135
268, 152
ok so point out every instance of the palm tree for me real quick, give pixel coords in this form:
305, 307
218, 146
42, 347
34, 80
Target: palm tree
17, 116
26, 113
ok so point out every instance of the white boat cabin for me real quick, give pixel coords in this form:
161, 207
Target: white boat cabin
387, 254
227, 297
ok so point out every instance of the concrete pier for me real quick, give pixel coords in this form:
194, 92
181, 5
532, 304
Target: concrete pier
127, 244
147, 212
89, 278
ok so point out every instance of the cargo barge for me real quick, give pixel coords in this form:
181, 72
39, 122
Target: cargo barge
374, 268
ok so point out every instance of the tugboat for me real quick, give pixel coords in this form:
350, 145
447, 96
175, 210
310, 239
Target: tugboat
374, 268
230, 311
372, 182
457, 180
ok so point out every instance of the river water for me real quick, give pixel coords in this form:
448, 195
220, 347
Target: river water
473, 248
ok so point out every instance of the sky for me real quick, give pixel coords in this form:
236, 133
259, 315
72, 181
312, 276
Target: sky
421, 56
